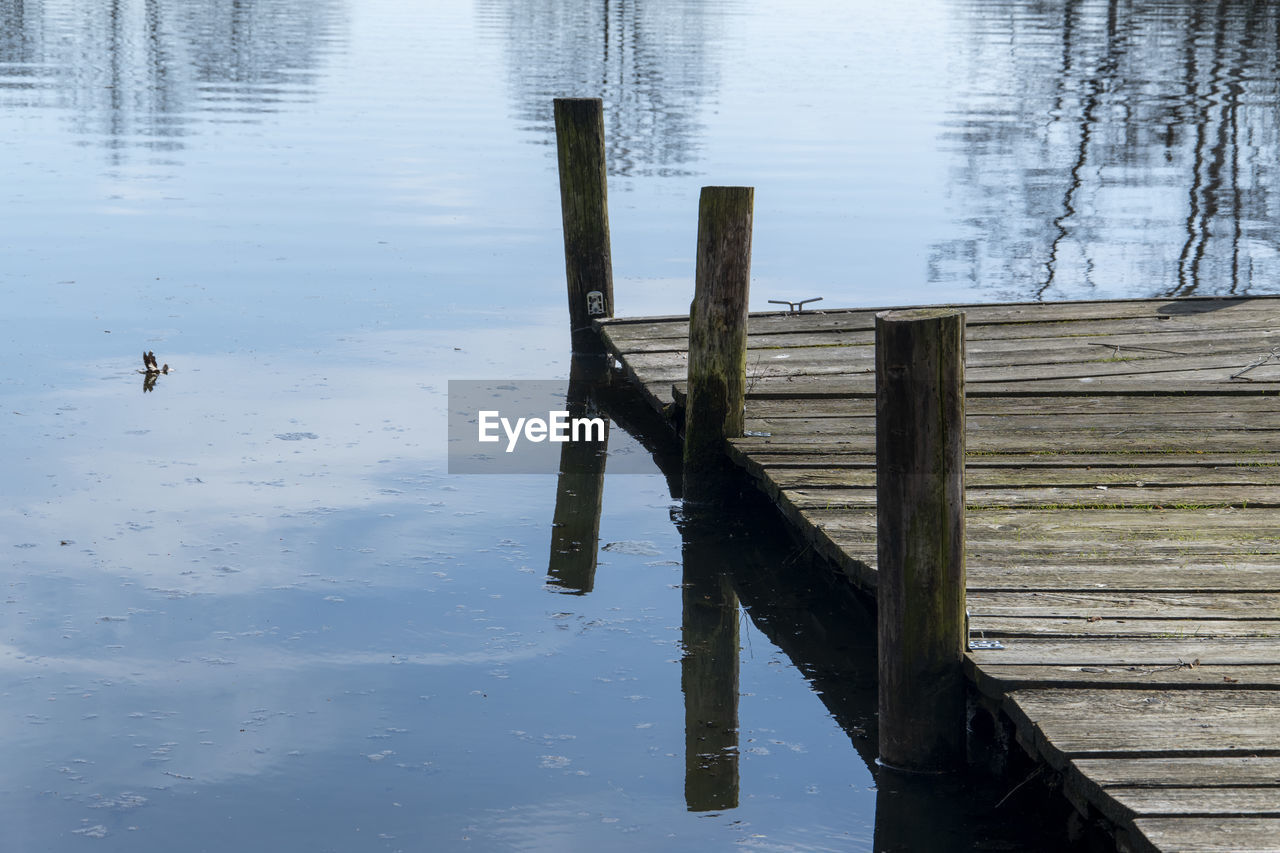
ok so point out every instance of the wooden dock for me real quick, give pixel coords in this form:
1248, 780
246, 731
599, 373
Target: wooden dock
1123, 531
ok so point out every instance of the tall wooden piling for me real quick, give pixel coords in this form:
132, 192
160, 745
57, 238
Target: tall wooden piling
584, 206
920, 537
717, 339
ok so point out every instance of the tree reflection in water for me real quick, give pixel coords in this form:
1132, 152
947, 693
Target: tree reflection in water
648, 61
138, 74
1113, 148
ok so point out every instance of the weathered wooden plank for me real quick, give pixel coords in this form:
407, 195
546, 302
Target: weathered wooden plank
1210, 834
1147, 723
1149, 653
1259, 802
1262, 405
799, 386
807, 388
997, 367
995, 680
1030, 361
1082, 477
1090, 423
861, 546
1134, 525
1073, 355
853, 349
1121, 340
1179, 336
1177, 772
1117, 572
1107, 627
1062, 497
1048, 343
1086, 341
1125, 604
1130, 791
1247, 549
667, 338
1124, 805
1153, 441
780, 460
996, 538
1200, 310
986, 556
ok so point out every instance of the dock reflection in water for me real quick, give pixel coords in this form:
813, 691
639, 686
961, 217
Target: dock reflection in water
742, 564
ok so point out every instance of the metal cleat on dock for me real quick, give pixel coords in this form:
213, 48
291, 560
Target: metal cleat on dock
795, 307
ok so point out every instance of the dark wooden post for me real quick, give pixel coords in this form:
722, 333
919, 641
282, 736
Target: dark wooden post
584, 205
920, 537
575, 526
717, 339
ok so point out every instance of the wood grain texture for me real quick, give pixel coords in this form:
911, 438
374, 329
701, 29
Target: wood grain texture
584, 208
1210, 835
919, 496
1088, 722
716, 370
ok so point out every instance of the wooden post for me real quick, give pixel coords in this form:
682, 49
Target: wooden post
584, 206
575, 526
717, 340
920, 537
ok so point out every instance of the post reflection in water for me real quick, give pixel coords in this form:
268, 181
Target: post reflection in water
709, 666
575, 527
596, 389
741, 562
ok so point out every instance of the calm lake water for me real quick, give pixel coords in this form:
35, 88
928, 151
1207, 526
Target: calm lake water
250, 610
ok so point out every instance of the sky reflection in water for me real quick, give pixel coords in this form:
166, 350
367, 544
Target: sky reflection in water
276, 622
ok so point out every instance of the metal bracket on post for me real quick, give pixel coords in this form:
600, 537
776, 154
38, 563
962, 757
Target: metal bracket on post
978, 645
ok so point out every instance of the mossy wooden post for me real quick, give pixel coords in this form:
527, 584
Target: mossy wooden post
584, 206
717, 340
920, 537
